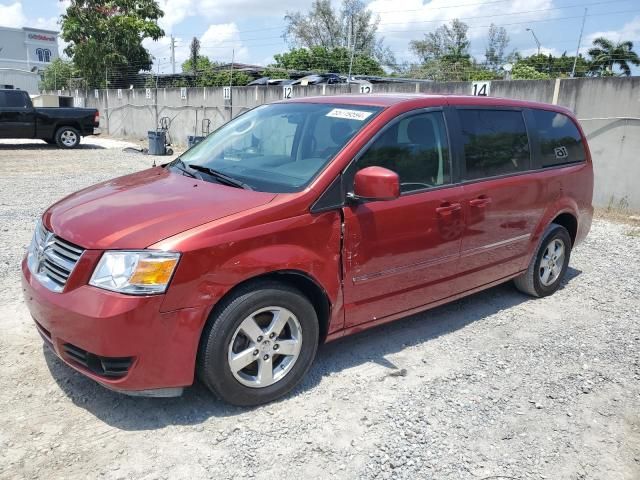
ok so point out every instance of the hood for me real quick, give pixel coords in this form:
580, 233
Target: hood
138, 210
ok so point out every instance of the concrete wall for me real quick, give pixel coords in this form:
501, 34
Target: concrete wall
608, 108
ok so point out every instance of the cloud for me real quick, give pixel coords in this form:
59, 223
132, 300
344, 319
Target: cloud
175, 12
230, 9
629, 31
526, 52
401, 25
11, 15
221, 41
217, 42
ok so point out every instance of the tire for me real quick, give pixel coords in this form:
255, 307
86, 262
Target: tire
230, 337
548, 267
67, 137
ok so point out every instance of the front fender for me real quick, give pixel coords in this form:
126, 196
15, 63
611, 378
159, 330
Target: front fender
309, 244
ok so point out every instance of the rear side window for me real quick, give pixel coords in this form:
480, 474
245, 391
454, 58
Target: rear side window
13, 100
495, 143
560, 140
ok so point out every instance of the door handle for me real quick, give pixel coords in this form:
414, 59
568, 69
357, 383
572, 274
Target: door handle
447, 209
480, 202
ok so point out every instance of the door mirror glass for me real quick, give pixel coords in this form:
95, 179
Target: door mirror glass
376, 183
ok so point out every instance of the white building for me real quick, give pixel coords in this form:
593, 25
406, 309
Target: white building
24, 54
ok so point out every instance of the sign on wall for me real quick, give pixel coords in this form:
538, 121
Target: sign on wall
96, 93
41, 37
366, 88
119, 94
183, 93
226, 93
287, 92
481, 89
147, 93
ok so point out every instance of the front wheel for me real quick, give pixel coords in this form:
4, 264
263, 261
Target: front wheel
67, 137
259, 344
548, 265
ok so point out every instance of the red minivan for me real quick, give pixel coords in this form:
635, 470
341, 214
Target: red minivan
301, 222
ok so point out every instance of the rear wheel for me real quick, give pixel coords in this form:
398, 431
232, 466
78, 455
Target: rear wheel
549, 264
67, 137
259, 345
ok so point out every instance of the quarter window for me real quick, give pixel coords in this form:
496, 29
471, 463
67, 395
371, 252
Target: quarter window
495, 143
560, 140
416, 148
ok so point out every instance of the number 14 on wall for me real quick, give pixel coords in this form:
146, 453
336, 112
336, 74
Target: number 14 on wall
480, 89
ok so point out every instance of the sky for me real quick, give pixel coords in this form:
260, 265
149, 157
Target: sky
251, 30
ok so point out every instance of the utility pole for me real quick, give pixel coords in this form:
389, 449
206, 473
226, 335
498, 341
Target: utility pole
173, 54
106, 97
575, 60
233, 57
155, 102
353, 51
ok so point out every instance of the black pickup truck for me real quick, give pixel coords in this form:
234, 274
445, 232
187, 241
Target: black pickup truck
60, 126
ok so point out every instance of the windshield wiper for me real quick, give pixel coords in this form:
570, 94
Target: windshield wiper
177, 163
219, 176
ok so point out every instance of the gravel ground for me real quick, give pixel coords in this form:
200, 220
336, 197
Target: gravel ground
496, 385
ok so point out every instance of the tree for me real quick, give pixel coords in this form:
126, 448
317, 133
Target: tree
521, 71
353, 27
322, 59
58, 75
447, 43
605, 55
556, 67
222, 79
105, 38
194, 55
203, 64
498, 41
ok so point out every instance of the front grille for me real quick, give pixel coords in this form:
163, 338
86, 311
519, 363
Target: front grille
53, 259
110, 367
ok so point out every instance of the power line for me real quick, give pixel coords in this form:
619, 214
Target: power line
221, 45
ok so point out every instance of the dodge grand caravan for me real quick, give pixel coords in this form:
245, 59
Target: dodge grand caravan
298, 223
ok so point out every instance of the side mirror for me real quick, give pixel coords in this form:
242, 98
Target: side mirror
376, 183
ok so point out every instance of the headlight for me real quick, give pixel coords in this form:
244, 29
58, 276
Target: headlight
142, 273
32, 250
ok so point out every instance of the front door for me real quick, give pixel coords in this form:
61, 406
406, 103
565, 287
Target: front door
17, 116
503, 203
401, 254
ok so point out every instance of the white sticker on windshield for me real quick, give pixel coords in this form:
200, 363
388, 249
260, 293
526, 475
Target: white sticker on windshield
349, 114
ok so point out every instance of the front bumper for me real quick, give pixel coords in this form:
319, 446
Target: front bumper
123, 342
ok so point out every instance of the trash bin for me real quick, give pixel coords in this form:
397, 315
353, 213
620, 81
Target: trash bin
157, 142
194, 140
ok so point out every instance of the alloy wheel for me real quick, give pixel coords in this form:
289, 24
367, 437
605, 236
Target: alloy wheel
68, 138
265, 347
552, 262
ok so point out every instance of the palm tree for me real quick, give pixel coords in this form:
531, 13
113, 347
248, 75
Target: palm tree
606, 54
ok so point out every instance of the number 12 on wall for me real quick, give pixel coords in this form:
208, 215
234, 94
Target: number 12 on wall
480, 89
287, 92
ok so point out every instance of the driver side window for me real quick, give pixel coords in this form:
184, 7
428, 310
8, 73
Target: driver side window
416, 148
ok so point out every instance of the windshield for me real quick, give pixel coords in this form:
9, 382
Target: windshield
281, 147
